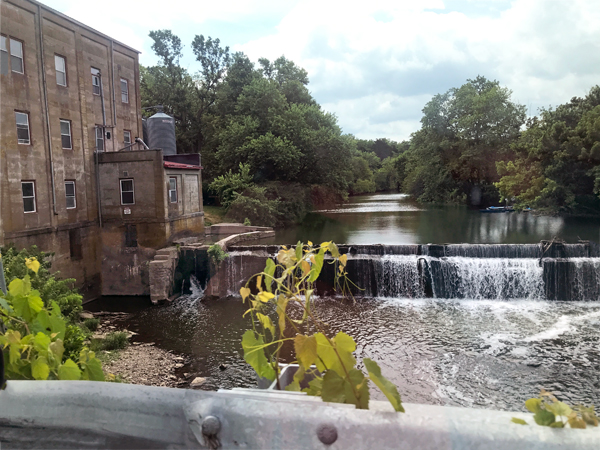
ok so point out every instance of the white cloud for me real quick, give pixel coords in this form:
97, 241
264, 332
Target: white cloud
366, 58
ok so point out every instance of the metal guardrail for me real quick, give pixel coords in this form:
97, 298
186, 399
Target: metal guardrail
83, 414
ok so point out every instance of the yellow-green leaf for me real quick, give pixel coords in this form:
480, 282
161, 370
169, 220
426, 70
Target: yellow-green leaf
306, 349
57, 349
269, 271
357, 389
341, 360
265, 296
266, 323
282, 302
93, 370
519, 421
386, 386
40, 369
32, 264
559, 409
317, 266
41, 342
69, 371
343, 260
244, 292
533, 405
544, 418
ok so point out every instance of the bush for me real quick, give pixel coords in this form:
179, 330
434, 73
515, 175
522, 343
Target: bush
254, 205
229, 186
217, 254
36, 341
91, 324
49, 287
117, 340
247, 222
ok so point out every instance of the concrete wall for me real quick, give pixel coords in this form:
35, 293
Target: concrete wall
52, 227
154, 220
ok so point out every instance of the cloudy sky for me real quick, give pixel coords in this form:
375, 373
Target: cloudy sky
375, 63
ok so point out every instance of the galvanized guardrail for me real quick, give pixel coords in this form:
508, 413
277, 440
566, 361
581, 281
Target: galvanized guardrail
83, 414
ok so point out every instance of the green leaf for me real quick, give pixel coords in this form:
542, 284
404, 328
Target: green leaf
93, 370
519, 421
27, 306
340, 361
41, 342
306, 349
315, 387
294, 386
386, 386
4, 304
40, 369
533, 404
333, 388
317, 266
254, 355
357, 389
266, 323
282, 302
298, 251
69, 371
18, 288
57, 349
559, 409
557, 425
269, 271
544, 418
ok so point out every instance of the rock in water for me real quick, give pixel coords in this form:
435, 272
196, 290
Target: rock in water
197, 382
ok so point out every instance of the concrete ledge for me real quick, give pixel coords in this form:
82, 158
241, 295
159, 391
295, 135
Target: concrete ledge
233, 228
244, 237
162, 270
85, 414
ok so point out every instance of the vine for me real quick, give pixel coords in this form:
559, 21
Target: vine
328, 361
548, 411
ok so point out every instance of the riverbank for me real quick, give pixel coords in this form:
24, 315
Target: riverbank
140, 362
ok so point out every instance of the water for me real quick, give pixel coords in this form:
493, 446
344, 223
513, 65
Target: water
393, 218
477, 353
487, 339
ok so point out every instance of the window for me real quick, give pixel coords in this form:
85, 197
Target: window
99, 139
173, 190
75, 244
28, 190
22, 120
3, 56
124, 91
127, 194
96, 90
126, 137
65, 134
16, 56
70, 194
61, 70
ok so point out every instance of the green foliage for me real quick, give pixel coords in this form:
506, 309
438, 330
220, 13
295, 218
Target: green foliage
35, 336
556, 160
254, 205
116, 340
247, 222
91, 324
216, 254
329, 360
229, 186
548, 411
49, 287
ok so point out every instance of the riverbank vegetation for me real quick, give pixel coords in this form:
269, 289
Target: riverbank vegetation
271, 153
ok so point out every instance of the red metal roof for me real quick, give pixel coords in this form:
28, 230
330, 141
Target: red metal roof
174, 165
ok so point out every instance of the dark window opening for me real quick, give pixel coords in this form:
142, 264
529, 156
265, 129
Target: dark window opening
131, 236
75, 243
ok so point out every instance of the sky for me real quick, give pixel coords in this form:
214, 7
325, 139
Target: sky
376, 63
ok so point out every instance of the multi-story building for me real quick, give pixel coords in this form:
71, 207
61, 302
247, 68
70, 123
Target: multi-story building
69, 99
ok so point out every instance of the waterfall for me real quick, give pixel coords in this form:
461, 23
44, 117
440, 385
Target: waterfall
398, 276
487, 278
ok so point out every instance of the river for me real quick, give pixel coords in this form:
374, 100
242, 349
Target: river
486, 353
393, 218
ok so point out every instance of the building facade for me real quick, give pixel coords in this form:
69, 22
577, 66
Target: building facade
69, 98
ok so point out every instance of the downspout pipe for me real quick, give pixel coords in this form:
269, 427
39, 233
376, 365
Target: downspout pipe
45, 92
97, 156
112, 77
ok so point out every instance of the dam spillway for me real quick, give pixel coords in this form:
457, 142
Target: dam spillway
545, 271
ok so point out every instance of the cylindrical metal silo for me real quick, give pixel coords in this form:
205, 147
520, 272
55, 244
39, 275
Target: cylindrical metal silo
161, 133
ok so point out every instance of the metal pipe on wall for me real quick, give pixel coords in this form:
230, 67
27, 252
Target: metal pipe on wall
114, 102
45, 93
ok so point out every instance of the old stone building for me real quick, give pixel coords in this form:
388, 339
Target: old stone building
73, 178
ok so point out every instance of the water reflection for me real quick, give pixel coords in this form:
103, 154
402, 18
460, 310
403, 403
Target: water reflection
395, 219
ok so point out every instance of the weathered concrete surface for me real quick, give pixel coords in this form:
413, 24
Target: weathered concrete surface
162, 270
234, 228
84, 414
